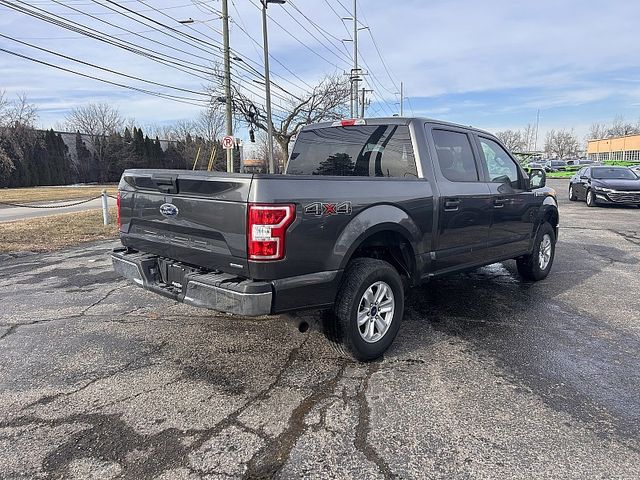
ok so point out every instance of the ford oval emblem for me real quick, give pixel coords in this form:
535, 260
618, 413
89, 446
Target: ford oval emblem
168, 210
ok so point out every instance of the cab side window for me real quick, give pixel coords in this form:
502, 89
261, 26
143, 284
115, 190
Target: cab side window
455, 156
500, 166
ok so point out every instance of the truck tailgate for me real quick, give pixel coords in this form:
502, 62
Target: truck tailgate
198, 218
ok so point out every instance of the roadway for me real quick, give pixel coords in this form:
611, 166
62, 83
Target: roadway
10, 214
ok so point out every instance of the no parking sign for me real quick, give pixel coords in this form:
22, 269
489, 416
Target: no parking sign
228, 142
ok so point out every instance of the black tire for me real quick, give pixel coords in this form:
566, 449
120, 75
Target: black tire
529, 266
341, 325
572, 195
591, 199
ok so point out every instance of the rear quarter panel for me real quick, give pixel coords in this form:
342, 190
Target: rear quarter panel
321, 240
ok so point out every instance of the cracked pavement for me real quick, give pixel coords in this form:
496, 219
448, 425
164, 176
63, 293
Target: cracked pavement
489, 377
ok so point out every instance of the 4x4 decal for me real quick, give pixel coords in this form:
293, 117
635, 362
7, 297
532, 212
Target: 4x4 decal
320, 209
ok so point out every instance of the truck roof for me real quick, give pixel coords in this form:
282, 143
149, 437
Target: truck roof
400, 121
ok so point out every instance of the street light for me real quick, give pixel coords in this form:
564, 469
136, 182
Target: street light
265, 41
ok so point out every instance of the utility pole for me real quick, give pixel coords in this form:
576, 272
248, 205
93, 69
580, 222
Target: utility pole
227, 79
401, 99
364, 103
267, 83
354, 88
535, 144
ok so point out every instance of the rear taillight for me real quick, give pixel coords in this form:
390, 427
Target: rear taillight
118, 218
266, 229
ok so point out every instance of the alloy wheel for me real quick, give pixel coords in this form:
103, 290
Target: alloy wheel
375, 312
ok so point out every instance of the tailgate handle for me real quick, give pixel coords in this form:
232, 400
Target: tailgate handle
166, 184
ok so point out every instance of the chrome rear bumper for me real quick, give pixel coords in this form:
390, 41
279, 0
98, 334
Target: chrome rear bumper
223, 292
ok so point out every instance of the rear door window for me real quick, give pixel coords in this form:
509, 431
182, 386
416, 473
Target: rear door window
455, 156
354, 151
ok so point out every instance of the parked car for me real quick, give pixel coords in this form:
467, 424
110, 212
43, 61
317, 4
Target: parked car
555, 166
532, 165
605, 185
636, 169
364, 210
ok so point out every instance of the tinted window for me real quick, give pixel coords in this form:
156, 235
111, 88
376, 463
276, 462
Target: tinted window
361, 151
612, 173
455, 156
500, 166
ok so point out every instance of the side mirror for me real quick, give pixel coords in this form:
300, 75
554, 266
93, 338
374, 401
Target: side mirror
537, 178
582, 177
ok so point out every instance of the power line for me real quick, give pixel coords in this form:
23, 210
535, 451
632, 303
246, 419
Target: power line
345, 8
326, 33
129, 46
186, 90
146, 38
253, 70
256, 44
340, 57
108, 13
297, 39
159, 57
175, 98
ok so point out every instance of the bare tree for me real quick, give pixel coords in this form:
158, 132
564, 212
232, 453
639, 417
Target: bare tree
97, 121
529, 137
210, 123
17, 121
326, 101
4, 109
561, 143
6, 164
620, 127
597, 131
18, 112
512, 139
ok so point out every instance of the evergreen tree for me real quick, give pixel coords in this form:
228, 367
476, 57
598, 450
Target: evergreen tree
84, 159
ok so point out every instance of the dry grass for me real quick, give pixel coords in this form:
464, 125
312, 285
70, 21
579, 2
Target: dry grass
46, 234
46, 194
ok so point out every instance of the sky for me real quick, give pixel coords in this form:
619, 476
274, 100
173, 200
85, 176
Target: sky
491, 64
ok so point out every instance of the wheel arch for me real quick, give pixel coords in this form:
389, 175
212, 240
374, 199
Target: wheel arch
385, 232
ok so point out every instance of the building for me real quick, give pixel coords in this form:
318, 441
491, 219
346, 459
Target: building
252, 165
616, 148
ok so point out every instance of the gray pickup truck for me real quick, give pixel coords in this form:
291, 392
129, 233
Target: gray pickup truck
365, 210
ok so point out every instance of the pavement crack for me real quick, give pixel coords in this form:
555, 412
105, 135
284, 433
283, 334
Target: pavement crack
629, 236
364, 424
104, 297
14, 326
270, 459
126, 367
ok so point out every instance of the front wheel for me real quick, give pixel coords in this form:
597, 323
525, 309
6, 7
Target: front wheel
538, 265
572, 195
591, 199
368, 310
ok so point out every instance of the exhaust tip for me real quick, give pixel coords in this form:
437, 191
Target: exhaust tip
303, 327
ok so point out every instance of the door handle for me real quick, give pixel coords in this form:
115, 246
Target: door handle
451, 205
498, 202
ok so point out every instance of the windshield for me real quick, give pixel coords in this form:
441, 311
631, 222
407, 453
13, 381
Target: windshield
613, 173
354, 151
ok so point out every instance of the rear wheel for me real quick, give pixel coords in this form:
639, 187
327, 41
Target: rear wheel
572, 195
537, 265
591, 199
368, 310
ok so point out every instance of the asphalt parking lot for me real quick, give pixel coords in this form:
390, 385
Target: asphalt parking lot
489, 377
